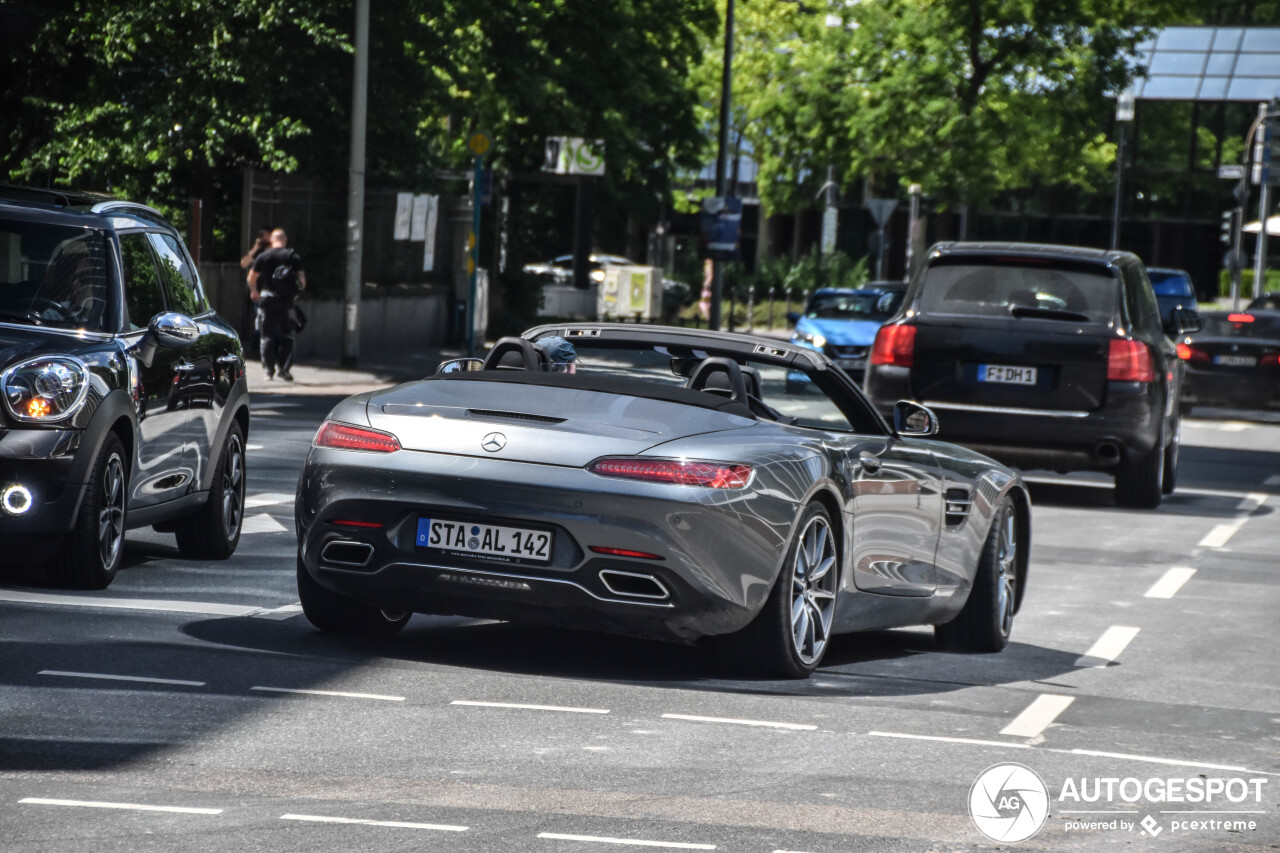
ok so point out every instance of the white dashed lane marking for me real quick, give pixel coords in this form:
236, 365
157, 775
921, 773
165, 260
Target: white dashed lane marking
107, 677
1038, 715
1170, 583
262, 523
1220, 534
337, 693
396, 824
634, 842
521, 706
267, 499
137, 807
799, 727
1109, 646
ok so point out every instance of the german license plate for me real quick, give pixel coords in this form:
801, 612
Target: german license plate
484, 540
1006, 375
1235, 360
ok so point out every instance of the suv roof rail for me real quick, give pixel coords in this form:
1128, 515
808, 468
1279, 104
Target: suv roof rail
11, 191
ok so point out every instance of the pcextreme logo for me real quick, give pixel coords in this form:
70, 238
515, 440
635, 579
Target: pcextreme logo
1008, 803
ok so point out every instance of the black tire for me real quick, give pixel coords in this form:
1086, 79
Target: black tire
214, 532
778, 644
1140, 484
985, 622
341, 614
1169, 481
92, 553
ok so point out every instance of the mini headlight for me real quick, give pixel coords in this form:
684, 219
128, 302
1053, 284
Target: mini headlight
15, 499
44, 390
813, 339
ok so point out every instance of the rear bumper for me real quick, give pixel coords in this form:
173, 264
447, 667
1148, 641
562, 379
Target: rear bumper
1125, 428
719, 552
1255, 390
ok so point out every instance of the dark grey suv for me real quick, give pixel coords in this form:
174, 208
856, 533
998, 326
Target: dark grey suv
123, 399
1041, 357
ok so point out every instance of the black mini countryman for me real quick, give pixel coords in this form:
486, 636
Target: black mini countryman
123, 399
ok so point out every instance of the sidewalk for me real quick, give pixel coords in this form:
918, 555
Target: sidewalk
378, 371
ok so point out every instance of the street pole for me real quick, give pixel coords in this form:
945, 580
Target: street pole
355, 191
726, 88
479, 144
913, 229
1264, 208
1124, 115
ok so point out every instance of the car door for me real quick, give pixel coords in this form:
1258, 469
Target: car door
894, 485
196, 388
164, 468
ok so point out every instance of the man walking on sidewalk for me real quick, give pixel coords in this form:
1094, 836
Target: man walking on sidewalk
275, 281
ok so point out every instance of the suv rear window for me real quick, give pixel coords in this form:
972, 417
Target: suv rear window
977, 288
52, 275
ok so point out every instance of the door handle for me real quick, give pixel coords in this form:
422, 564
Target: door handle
184, 367
869, 462
228, 359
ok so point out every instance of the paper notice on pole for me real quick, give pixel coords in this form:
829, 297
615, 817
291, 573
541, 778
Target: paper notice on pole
418, 230
432, 217
404, 206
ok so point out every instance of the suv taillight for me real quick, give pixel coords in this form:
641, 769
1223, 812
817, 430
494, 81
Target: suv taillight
895, 345
1130, 361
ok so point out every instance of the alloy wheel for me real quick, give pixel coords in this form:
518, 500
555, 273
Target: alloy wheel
111, 511
1007, 563
233, 487
813, 591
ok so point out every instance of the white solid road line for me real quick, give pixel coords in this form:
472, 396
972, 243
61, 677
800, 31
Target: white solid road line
799, 727
1170, 583
267, 499
397, 824
106, 677
1109, 646
92, 804
330, 693
525, 707
637, 842
1038, 715
965, 740
198, 607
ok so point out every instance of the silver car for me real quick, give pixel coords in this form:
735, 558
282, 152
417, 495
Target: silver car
666, 483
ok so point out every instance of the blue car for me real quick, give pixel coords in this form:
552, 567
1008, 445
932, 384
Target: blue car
842, 323
1173, 290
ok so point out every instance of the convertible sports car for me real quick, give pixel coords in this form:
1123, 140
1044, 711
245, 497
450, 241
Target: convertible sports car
663, 485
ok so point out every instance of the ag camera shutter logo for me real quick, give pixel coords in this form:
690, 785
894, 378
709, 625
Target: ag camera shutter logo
1008, 803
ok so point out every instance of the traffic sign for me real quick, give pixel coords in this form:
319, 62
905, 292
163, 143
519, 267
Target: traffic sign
1230, 172
479, 144
881, 209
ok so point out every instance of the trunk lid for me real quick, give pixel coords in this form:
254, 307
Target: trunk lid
536, 423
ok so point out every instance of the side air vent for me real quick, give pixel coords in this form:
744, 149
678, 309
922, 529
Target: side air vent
957, 506
519, 416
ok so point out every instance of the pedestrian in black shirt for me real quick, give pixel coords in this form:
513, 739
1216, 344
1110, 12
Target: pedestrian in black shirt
275, 281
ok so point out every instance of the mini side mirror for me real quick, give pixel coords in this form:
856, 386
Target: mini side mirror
460, 365
172, 329
912, 419
1184, 321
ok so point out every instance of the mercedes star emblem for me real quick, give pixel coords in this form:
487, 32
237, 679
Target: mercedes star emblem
493, 442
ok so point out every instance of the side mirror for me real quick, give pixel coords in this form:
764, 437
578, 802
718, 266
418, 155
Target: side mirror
912, 419
168, 328
1185, 321
172, 329
793, 317
460, 365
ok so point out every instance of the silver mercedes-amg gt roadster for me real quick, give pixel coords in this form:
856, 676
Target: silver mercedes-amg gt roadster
658, 482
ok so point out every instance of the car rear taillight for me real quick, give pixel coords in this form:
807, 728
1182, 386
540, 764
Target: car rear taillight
349, 437
1186, 352
1129, 361
713, 475
895, 345
1239, 318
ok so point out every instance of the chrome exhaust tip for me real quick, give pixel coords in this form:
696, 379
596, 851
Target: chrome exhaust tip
634, 585
344, 552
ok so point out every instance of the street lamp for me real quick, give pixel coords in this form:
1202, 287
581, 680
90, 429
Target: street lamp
1124, 115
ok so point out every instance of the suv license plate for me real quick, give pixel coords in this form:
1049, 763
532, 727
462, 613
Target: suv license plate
1006, 375
485, 540
1235, 360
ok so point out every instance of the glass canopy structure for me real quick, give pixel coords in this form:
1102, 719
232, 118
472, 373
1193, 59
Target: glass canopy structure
1210, 64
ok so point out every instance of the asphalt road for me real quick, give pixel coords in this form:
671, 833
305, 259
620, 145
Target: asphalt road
191, 707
